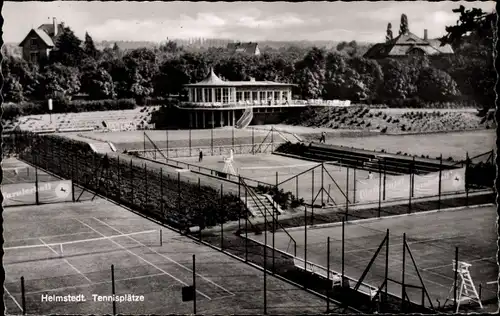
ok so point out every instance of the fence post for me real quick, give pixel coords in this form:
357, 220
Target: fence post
386, 263
409, 192
253, 143
144, 142
322, 184
221, 217
440, 174
239, 200
403, 290
385, 177
113, 287
146, 186
265, 264
73, 177
347, 197
466, 179
343, 251
413, 178
194, 285
455, 281
312, 198
379, 189
119, 179
328, 274
189, 142
37, 196
212, 140
200, 213
305, 239
297, 187
232, 138
132, 181
178, 191
23, 296
167, 142
246, 227
354, 183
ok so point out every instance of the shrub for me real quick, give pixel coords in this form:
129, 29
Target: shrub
383, 130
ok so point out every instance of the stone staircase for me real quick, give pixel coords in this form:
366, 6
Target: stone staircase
262, 204
102, 147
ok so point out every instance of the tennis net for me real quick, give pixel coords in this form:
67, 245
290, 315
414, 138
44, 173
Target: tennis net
55, 250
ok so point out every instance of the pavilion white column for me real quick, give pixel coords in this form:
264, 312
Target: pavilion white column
213, 95
202, 94
272, 97
234, 121
281, 97
251, 96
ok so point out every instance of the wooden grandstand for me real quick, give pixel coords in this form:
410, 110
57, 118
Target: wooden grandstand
120, 120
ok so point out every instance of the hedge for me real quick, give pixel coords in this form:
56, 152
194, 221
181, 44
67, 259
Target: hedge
129, 182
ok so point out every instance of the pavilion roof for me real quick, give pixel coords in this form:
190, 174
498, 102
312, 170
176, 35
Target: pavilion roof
212, 80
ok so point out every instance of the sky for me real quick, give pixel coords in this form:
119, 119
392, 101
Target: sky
245, 21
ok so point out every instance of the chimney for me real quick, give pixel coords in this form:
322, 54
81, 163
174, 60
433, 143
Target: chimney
425, 34
54, 22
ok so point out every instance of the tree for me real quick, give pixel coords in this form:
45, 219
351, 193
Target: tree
404, 28
311, 73
67, 50
12, 90
399, 81
472, 25
60, 80
436, 85
473, 64
98, 84
89, 48
388, 37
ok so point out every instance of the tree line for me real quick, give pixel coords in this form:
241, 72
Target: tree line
77, 67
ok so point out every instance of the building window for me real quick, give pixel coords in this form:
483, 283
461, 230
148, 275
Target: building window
262, 96
246, 96
34, 56
208, 95
218, 96
277, 95
33, 42
255, 95
239, 95
199, 95
225, 95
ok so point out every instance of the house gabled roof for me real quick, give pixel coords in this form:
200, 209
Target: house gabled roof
49, 28
41, 34
248, 48
401, 45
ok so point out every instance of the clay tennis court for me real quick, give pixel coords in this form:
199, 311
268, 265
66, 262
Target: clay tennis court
432, 238
69, 248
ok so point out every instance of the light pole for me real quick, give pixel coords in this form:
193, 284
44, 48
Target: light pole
50, 110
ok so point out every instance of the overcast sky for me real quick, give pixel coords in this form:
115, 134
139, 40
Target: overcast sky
157, 21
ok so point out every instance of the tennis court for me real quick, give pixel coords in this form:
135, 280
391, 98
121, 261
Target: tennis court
224, 136
432, 238
68, 249
291, 174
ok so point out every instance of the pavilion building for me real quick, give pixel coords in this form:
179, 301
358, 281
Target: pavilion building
213, 91
214, 102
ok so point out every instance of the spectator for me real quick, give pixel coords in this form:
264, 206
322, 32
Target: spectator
323, 138
200, 157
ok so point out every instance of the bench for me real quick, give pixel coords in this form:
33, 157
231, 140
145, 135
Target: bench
334, 276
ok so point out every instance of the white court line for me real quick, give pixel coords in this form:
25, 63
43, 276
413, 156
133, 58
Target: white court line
78, 241
50, 236
153, 265
96, 283
279, 167
169, 259
65, 260
449, 264
12, 297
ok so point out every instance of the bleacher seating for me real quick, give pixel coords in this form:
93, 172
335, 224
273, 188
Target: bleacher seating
371, 160
86, 121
